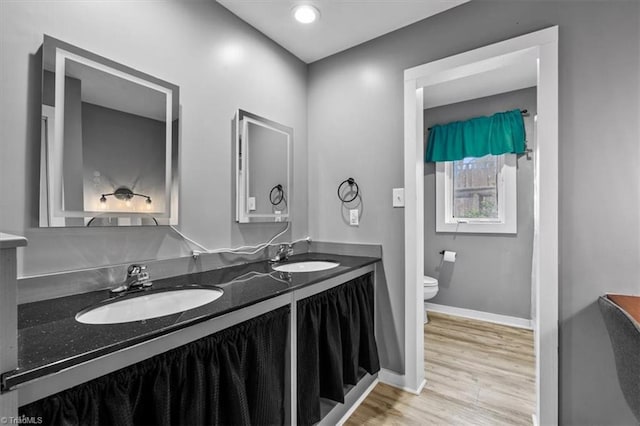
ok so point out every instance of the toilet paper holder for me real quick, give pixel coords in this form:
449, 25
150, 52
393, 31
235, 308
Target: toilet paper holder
448, 256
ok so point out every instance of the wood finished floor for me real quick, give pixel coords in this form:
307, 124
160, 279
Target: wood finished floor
477, 373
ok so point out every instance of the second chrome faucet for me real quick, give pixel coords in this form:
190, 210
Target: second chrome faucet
137, 278
284, 251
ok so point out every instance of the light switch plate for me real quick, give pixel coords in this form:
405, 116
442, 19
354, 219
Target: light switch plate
251, 203
353, 217
398, 197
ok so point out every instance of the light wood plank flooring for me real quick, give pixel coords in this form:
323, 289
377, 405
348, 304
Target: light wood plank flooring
477, 373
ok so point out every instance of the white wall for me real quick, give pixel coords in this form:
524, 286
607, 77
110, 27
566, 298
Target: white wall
220, 64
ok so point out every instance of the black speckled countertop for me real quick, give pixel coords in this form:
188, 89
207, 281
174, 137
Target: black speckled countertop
50, 339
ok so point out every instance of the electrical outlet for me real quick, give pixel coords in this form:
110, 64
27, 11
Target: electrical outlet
353, 217
398, 197
278, 217
251, 202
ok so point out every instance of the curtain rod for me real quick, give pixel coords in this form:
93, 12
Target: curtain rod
524, 112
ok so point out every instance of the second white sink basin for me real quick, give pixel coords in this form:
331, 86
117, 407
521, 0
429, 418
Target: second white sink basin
149, 305
306, 266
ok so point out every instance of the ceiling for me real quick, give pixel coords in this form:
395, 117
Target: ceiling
342, 24
113, 92
347, 23
517, 73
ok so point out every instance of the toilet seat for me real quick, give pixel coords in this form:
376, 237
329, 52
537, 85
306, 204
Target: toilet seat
429, 291
429, 281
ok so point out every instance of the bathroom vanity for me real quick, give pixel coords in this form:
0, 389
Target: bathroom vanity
57, 352
110, 140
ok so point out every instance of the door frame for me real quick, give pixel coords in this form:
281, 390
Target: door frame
545, 264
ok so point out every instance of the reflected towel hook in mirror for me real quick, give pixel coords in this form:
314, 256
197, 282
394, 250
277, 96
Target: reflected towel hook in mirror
351, 182
276, 195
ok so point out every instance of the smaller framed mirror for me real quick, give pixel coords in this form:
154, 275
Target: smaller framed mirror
263, 169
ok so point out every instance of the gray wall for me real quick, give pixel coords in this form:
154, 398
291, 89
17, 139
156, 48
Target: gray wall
267, 166
220, 63
72, 161
356, 128
355, 118
492, 272
72, 153
126, 150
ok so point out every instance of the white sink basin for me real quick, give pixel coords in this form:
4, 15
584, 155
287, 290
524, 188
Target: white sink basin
306, 266
149, 305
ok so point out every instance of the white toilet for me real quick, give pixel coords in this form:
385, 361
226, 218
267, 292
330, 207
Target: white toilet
430, 286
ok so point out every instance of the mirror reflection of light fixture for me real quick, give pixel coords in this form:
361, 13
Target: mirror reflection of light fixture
67, 196
125, 194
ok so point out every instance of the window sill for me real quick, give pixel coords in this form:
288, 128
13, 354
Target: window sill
478, 227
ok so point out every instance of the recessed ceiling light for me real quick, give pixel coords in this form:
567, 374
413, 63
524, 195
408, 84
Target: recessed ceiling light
305, 13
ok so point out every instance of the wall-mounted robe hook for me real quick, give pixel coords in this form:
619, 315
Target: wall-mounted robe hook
351, 182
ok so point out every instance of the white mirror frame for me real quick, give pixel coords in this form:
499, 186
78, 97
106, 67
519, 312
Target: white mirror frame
242, 160
52, 213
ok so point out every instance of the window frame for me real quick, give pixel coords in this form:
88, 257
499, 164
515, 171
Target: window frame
506, 184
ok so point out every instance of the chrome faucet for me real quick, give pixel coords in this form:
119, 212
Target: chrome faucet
283, 254
137, 278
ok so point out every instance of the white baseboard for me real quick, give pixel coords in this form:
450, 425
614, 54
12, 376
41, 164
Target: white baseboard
479, 315
396, 380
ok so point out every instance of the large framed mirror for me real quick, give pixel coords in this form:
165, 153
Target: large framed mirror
263, 169
109, 152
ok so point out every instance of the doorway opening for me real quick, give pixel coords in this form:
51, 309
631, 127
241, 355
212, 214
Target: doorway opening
422, 83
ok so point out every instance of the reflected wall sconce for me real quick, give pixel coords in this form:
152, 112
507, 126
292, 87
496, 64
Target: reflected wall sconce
125, 194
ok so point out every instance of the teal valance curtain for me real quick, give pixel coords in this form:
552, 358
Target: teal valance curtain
501, 133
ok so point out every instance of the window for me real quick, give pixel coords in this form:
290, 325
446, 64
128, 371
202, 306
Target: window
477, 195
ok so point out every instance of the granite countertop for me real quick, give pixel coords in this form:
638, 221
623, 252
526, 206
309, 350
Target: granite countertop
50, 339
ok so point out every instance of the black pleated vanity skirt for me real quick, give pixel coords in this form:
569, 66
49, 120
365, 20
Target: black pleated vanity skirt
335, 340
234, 377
